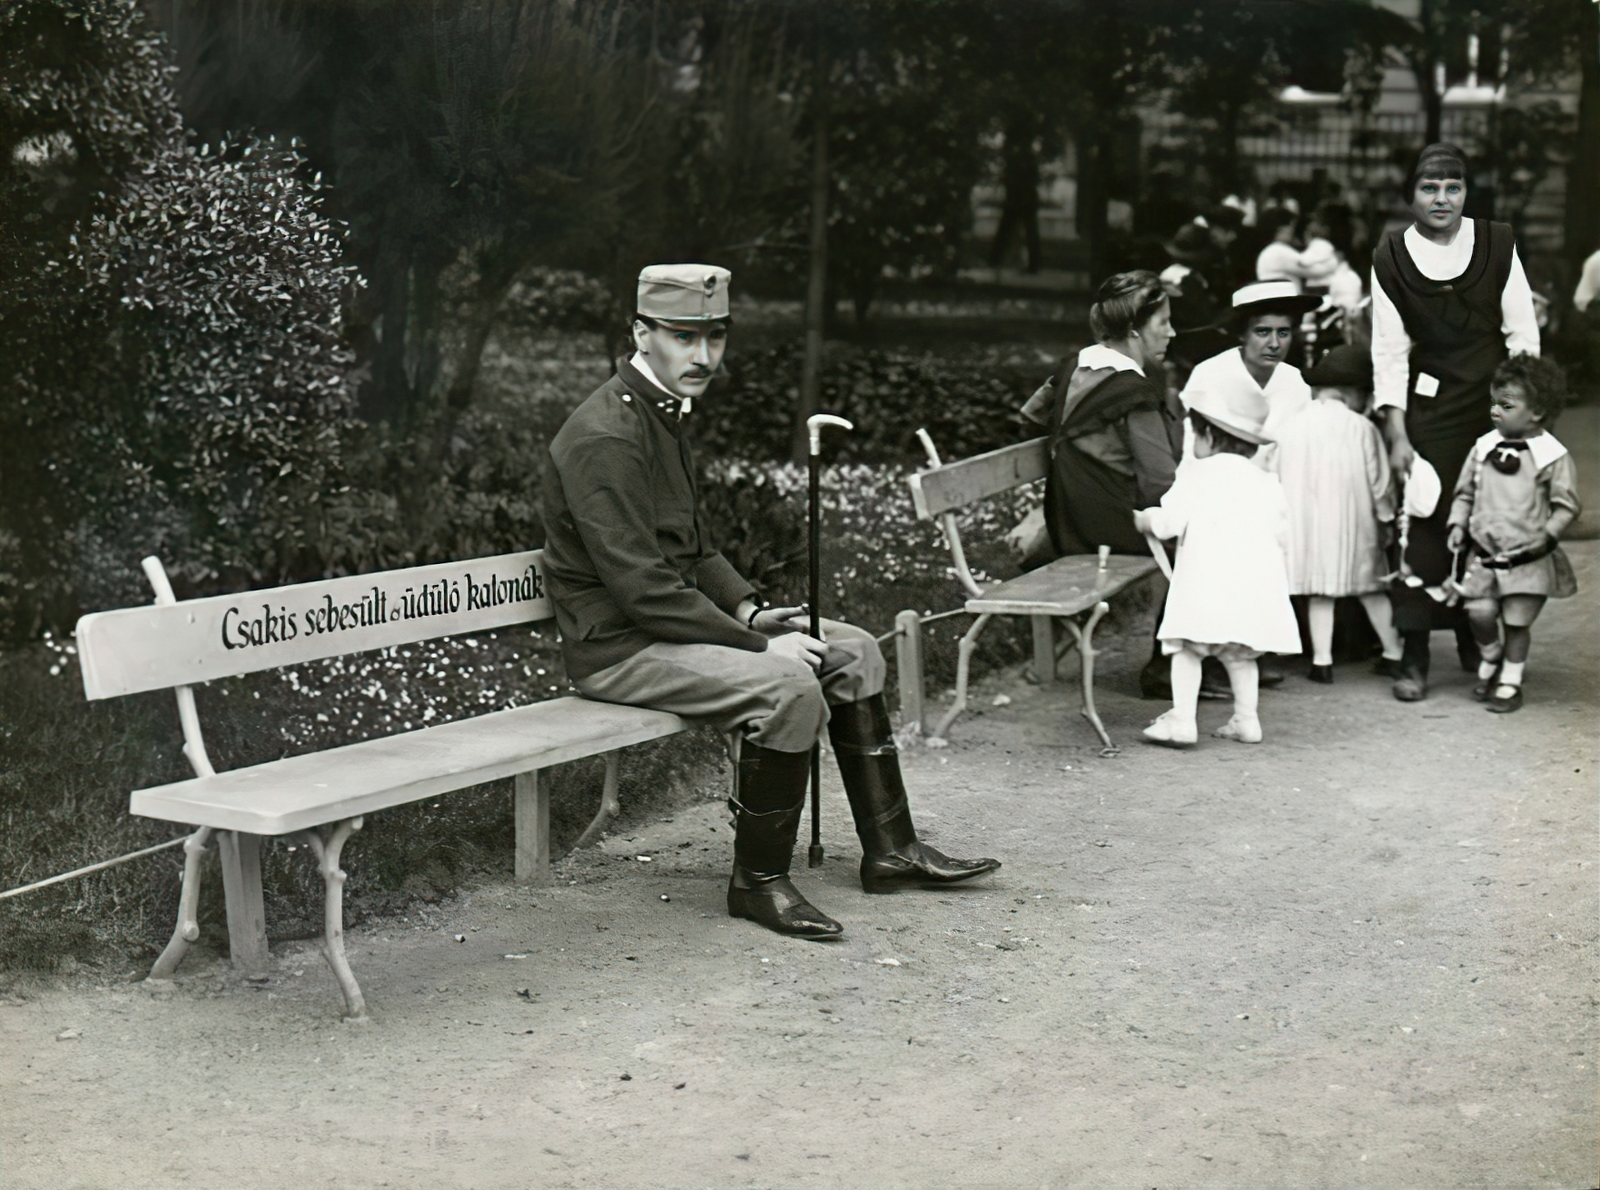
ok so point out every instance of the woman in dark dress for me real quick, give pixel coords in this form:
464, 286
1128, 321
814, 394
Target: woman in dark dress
1450, 301
1115, 433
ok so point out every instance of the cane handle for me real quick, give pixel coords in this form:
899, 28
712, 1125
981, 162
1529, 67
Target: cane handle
814, 425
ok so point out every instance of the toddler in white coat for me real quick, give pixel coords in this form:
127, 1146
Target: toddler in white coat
1229, 597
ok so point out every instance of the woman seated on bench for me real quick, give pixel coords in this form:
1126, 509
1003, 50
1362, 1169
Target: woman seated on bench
1115, 432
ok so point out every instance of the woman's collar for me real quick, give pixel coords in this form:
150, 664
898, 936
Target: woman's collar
1463, 240
1098, 355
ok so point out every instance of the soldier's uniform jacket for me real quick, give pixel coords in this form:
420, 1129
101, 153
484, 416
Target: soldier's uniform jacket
626, 557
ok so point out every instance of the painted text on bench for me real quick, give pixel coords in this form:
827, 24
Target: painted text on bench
242, 630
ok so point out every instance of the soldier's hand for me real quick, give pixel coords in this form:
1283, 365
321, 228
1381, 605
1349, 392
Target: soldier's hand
776, 620
800, 647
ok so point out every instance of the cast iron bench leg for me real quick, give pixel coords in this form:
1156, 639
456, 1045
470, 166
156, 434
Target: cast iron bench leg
963, 664
610, 805
188, 927
1084, 638
327, 842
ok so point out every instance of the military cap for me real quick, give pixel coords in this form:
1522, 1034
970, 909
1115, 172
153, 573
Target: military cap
684, 292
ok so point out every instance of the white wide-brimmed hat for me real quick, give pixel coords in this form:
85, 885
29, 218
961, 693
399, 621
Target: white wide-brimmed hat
1239, 407
1272, 297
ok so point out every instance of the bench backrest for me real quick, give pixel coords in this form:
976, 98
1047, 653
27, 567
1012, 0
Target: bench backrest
198, 640
955, 485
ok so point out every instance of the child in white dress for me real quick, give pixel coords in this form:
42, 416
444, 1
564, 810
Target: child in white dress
1229, 597
1516, 495
1335, 474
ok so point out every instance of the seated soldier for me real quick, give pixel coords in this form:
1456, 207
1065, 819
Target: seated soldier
650, 615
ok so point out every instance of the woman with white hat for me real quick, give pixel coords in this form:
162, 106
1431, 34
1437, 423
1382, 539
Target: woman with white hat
1229, 597
1265, 314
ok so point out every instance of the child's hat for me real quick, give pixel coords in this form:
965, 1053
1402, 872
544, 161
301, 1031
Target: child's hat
1344, 366
1236, 404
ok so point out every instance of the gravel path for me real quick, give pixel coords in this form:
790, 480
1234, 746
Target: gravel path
1362, 953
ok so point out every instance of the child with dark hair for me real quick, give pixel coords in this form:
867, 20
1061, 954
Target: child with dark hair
1229, 597
1516, 495
1335, 474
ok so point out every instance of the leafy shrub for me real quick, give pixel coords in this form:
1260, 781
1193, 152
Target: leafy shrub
968, 402
172, 318
560, 300
231, 287
414, 497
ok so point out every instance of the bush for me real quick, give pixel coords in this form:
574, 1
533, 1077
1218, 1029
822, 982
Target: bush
968, 403
173, 323
560, 300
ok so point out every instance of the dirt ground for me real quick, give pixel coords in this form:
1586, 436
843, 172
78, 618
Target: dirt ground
1361, 953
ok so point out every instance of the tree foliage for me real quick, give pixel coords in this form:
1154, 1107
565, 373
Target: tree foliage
172, 316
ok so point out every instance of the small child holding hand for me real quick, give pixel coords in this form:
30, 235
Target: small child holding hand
1516, 494
1229, 597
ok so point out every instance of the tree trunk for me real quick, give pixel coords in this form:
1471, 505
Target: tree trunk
1582, 232
1424, 65
817, 281
384, 397
1094, 185
480, 324
1433, 108
1228, 149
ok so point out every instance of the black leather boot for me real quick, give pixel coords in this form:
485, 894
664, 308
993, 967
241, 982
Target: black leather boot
772, 792
1412, 684
891, 854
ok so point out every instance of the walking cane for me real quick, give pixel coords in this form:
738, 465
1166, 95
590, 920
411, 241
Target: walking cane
814, 425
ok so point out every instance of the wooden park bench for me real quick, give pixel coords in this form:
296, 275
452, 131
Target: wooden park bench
322, 796
1076, 589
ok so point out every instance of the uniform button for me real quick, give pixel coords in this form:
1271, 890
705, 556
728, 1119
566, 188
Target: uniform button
626, 397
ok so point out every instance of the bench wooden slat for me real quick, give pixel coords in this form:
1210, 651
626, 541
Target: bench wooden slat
300, 792
958, 484
1065, 587
198, 640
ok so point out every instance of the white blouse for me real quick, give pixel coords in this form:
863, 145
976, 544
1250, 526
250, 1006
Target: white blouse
1391, 345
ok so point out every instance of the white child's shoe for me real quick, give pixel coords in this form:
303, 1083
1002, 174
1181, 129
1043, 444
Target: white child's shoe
1244, 728
1173, 731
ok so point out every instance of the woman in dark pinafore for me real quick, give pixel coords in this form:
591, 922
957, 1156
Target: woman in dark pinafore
1450, 301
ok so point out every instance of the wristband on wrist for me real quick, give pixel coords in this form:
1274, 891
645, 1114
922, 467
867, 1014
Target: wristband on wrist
761, 604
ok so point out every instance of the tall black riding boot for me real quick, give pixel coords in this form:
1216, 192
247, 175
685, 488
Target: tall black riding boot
1412, 684
891, 854
772, 792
